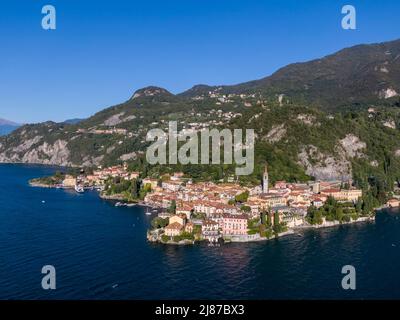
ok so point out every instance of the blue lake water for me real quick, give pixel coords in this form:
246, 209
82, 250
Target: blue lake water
100, 252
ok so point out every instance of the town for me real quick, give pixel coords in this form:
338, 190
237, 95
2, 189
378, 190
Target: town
187, 212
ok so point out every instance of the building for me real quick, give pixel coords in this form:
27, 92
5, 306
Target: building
172, 186
189, 227
280, 185
317, 202
210, 230
234, 225
152, 182
265, 180
343, 195
254, 208
393, 203
272, 200
181, 219
292, 220
184, 209
315, 186
173, 229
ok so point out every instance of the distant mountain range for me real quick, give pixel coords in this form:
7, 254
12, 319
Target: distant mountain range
7, 126
363, 74
332, 117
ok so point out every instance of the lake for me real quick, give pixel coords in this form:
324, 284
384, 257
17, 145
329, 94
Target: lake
100, 252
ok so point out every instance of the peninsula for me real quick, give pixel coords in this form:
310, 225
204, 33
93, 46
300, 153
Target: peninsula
207, 211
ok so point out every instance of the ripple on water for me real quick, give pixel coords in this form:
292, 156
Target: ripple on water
99, 255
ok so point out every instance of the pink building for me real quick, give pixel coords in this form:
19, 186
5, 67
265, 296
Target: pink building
234, 225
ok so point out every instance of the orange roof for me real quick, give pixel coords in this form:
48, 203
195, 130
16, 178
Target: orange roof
174, 226
330, 190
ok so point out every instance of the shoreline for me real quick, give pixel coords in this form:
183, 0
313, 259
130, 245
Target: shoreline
122, 201
40, 185
330, 224
291, 231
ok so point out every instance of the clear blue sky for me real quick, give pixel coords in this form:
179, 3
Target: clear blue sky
102, 51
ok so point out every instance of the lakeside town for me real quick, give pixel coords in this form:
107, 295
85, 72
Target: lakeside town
206, 211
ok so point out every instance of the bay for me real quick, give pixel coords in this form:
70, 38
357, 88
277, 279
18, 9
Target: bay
100, 252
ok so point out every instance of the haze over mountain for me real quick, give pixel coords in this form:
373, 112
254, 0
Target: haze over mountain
7, 126
300, 115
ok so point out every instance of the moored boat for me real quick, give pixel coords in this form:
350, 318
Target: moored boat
79, 188
148, 212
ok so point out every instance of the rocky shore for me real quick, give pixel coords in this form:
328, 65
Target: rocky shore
117, 197
330, 224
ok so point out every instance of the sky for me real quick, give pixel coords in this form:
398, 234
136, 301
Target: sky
101, 52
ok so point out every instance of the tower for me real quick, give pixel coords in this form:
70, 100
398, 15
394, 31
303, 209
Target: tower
265, 180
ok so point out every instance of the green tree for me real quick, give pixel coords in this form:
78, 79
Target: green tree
276, 218
339, 214
242, 197
263, 217
158, 222
172, 207
269, 219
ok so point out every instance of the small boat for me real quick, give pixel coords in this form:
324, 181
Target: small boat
148, 212
79, 188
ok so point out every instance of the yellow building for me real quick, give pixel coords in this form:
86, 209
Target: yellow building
343, 195
181, 219
272, 201
152, 182
174, 229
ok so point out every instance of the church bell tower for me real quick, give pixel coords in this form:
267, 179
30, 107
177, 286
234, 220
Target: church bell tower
265, 180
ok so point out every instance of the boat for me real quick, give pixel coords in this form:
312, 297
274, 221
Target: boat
79, 188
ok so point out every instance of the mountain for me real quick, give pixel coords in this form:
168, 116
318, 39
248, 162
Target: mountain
333, 118
152, 91
6, 126
73, 121
360, 75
